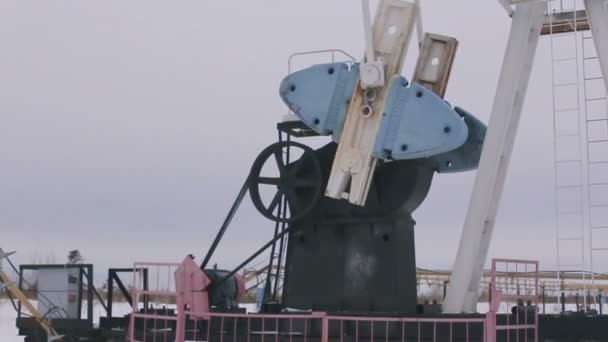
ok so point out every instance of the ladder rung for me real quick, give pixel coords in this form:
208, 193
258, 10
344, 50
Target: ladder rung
567, 110
565, 84
599, 206
569, 186
596, 120
599, 249
589, 58
595, 98
568, 135
565, 34
597, 141
598, 183
569, 213
565, 59
598, 162
599, 227
571, 239
574, 109
568, 161
594, 78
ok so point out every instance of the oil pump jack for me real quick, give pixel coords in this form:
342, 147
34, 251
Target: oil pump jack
348, 255
352, 250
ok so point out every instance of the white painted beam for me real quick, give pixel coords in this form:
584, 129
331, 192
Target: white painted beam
367, 30
506, 4
597, 14
354, 162
462, 294
419, 27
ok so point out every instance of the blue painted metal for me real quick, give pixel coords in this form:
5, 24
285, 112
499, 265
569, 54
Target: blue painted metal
417, 124
319, 95
466, 157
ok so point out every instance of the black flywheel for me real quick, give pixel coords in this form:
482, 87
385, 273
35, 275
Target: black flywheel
285, 191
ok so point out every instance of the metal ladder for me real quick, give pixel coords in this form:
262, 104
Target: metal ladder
568, 148
596, 120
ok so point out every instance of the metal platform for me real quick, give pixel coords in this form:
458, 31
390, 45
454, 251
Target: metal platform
565, 22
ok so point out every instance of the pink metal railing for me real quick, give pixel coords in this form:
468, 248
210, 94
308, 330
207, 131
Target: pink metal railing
396, 328
335, 328
272, 328
159, 319
157, 314
514, 282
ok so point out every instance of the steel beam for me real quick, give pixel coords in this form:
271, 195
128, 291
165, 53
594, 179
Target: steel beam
226, 224
506, 4
462, 295
597, 14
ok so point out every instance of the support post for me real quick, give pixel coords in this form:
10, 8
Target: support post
325, 329
498, 147
597, 14
544, 299
90, 290
227, 220
80, 282
110, 294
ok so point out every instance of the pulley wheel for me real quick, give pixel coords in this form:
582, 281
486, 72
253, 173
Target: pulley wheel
273, 181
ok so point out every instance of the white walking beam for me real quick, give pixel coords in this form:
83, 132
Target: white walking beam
597, 14
367, 30
419, 27
354, 163
462, 294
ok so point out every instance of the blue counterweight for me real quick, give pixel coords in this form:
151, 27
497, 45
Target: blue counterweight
415, 123
320, 95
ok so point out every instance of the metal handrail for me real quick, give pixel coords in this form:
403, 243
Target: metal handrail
315, 52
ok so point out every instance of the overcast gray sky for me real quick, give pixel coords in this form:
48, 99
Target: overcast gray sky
127, 127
